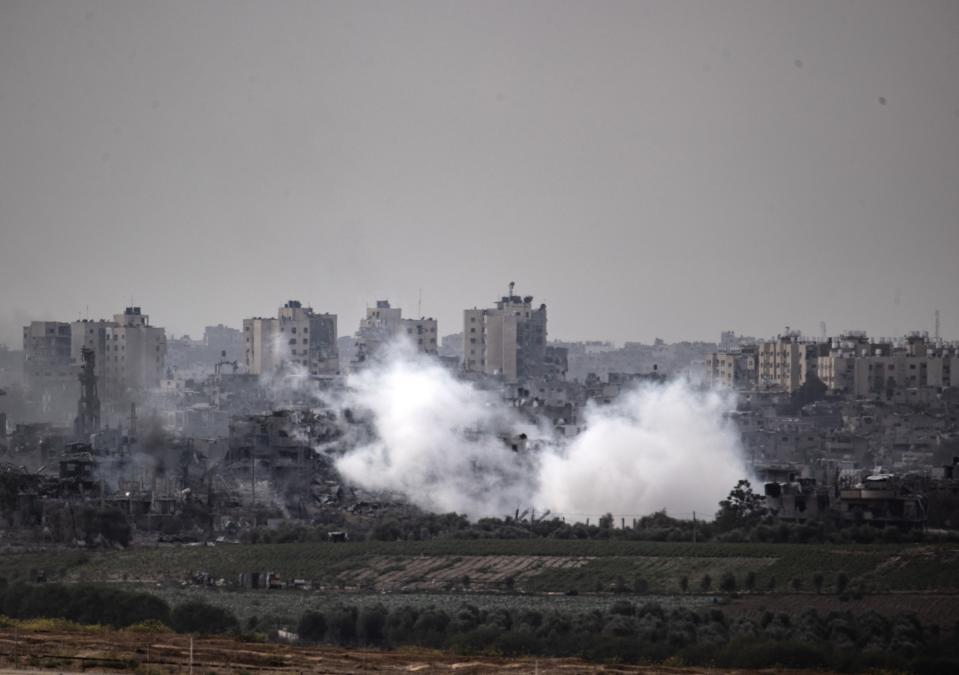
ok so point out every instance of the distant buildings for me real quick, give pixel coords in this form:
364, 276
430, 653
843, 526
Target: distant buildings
509, 340
384, 323
857, 366
787, 362
46, 353
222, 339
129, 352
133, 353
296, 337
735, 369
849, 364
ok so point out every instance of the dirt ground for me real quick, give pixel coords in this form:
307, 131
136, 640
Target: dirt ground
119, 651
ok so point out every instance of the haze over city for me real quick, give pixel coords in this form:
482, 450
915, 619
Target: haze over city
647, 169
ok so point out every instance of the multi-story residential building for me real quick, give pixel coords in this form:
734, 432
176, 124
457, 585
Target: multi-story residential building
788, 362
297, 336
384, 323
133, 353
224, 340
509, 340
856, 366
734, 369
91, 334
129, 352
46, 354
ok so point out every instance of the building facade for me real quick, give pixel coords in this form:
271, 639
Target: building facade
133, 353
509, 340
47, 360
384, 323
857, 366
296, 337
734, 369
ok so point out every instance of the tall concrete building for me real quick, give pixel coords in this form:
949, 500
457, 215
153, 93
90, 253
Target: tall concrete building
297, 336
91, 334
735, 368
509, 340
383, 323
134, 353
47, 355
788, 362
129, 353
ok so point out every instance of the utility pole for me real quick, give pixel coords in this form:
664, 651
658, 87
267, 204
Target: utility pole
694, 527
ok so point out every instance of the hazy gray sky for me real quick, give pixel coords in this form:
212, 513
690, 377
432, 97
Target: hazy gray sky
645, 168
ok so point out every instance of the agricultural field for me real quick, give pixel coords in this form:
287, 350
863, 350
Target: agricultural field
541, 573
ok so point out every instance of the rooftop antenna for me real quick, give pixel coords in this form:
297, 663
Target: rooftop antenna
936, 333
822, 329
511, 285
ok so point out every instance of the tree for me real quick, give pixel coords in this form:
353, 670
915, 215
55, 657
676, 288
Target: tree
842, 582
640, 585
817, 581
312, 627
199, 617
727, 583
742, 508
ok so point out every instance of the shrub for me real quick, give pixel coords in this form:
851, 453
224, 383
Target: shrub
817, 581
842, 582
727, 583
371, 625
197, 616
640, 585
312, 627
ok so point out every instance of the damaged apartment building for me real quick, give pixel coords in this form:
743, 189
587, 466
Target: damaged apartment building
130, 357
296, 337
384, 323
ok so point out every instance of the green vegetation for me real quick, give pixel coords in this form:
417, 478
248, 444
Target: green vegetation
94, 605
649, 633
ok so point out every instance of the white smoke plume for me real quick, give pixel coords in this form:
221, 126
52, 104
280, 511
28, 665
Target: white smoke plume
437, 441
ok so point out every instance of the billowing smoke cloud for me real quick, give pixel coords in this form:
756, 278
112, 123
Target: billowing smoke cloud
659, 446
435, 438
437, 441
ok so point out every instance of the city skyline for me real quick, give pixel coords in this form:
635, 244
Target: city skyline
645, 169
